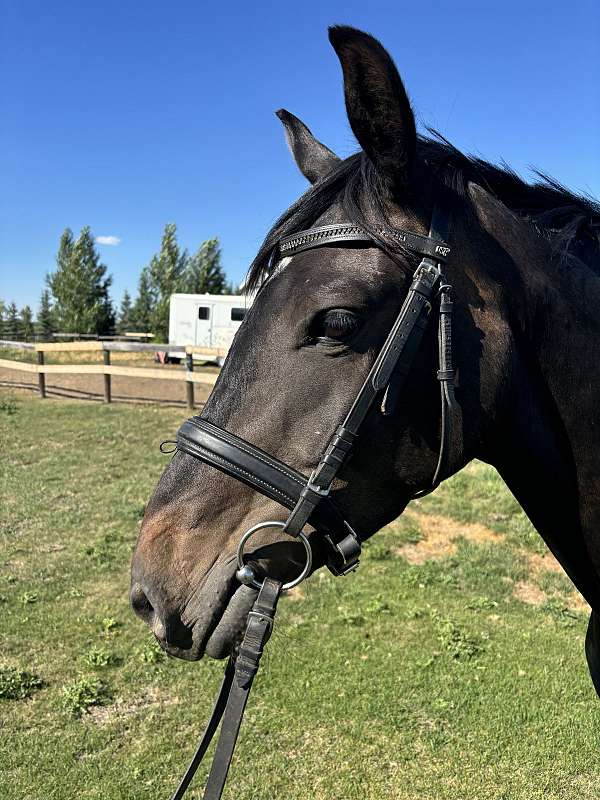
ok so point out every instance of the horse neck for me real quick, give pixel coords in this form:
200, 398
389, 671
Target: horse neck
546, 447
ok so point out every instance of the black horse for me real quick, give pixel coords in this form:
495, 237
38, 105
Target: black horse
526, 274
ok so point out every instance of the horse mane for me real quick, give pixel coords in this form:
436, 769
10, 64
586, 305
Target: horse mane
570, 221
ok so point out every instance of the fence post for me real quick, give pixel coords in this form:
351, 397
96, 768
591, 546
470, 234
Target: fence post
41, 375
107, 395
189, 366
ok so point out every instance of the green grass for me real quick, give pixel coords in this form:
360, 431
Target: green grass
408, 681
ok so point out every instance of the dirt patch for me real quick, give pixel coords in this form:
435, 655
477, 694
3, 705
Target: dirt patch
439, 540
529, 593
439, 535
296, 594
152, 698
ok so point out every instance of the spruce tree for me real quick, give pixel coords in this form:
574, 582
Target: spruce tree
80, 287
141, 313
27, 330
44, 323
165, 273
12, 323
124, 322
205, 272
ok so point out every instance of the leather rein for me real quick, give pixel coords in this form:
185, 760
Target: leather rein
308, 498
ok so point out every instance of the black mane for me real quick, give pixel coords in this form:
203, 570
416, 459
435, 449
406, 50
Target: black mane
571, 221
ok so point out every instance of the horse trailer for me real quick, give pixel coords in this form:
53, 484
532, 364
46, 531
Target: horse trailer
206, 321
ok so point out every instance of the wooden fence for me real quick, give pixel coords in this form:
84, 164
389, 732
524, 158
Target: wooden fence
107, 369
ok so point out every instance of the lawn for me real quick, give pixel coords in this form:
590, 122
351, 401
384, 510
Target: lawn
450, 665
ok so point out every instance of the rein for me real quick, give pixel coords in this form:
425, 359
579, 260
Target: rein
307, 498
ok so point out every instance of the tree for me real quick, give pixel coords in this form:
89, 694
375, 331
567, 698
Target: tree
143, 308
165, 273
12, 323
44, 323
124, 322
204, 272
2, 319
27, 330
80, 287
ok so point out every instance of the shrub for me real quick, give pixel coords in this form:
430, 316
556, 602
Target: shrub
17, 684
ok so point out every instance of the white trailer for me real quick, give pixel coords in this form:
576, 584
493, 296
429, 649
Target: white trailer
206, 321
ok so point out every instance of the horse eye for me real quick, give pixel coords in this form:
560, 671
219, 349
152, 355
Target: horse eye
336, 324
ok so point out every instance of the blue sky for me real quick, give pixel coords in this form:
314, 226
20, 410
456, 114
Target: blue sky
127, 115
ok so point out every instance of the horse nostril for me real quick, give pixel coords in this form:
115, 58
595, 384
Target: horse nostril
140, 603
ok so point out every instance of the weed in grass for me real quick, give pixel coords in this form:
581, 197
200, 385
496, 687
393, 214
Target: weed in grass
109, 625
8, 405
432, 573
378, 550
151, 653
455, 641
83, 693
17, 684
560, 613
100, 657
481, 604
378, 606
28, 598
408, 532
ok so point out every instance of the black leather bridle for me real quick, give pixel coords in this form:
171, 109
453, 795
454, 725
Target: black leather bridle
308, 498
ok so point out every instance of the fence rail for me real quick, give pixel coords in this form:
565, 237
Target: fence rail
107, 369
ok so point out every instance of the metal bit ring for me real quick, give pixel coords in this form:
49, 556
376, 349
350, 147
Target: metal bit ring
245, 574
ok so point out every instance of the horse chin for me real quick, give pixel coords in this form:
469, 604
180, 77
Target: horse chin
220, 611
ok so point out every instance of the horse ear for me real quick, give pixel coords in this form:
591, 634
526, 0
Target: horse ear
314, 160
378, 107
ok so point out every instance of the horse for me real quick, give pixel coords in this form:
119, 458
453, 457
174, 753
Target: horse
525, 272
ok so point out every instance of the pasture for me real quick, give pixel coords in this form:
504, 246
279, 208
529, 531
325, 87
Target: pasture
451, 665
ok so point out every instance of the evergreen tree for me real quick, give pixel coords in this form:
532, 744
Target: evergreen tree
27, 331
2, 319
44, 323
204, 271
124, 323
12, 323
231, 287
141, 313
165, 273
80, 287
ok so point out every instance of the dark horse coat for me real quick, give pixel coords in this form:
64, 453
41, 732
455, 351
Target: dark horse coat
526, 275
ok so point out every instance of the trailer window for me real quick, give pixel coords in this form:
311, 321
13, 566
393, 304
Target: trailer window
238, 314
203, 312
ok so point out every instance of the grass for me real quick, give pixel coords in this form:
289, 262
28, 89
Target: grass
413, 678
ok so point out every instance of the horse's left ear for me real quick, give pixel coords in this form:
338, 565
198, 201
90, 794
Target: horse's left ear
314, 160
378, 107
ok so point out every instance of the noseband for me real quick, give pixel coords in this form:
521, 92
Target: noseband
308, 498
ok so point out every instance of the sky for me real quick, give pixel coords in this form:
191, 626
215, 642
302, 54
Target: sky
127, 115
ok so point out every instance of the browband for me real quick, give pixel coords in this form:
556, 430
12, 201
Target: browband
330, 234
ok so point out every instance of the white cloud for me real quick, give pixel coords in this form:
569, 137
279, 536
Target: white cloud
113, 241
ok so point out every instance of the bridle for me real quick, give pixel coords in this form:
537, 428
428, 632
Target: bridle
308, 499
